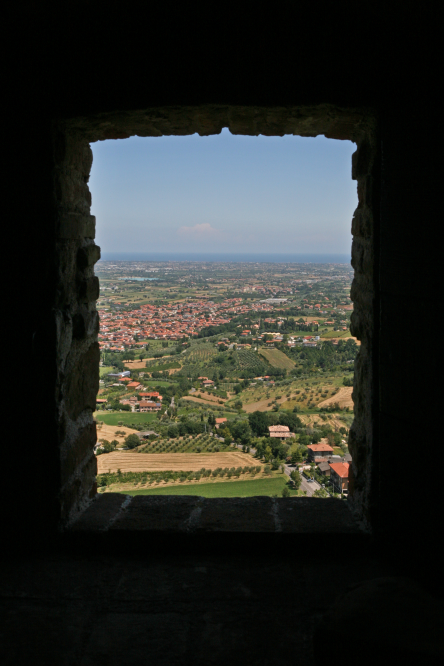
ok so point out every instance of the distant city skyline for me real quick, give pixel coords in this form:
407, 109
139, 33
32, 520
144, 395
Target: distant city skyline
223, 194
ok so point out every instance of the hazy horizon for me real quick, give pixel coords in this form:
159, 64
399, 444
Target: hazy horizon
223, 194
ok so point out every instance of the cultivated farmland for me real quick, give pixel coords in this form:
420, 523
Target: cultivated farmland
343, 398
277, 359
267, 487
159, 462
108, 432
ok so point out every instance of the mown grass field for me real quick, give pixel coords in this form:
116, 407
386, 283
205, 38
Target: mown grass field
253, 488
127, 418
104, 370
277, 359
157, 382
335, 334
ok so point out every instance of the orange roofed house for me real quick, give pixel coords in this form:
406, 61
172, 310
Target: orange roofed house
152, 395
318, 451
219, 422
339, 476
133, 386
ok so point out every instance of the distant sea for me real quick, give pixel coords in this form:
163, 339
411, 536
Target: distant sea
241, 257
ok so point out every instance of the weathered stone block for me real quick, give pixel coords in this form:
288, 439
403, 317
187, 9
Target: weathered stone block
89, 290
361, 161
303, 515
78, 451
362, 223
168, 514
78, 492
74, 226
252, 514
83, 383
88, 256
365, 191
101, 512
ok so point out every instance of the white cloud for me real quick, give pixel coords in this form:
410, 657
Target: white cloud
199, 232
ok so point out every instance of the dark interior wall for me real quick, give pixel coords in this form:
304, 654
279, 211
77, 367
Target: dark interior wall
82, 60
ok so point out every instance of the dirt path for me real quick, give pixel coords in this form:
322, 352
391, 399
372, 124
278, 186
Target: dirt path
128, 461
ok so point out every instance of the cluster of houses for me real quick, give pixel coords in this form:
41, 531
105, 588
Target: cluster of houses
119, 331
146, 401
335, 467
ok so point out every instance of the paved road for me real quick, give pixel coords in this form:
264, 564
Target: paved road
309, 486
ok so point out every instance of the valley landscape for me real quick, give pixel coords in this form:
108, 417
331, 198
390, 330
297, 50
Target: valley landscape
193, 352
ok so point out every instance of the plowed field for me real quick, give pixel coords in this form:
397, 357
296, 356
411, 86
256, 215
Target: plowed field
172, 462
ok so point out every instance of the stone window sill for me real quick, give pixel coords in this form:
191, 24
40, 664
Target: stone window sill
114, 513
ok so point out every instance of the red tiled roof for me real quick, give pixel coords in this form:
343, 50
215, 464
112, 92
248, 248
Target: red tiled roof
341, 469
319, 447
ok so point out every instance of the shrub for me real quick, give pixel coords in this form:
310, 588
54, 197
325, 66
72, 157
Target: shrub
131, 441
285, 492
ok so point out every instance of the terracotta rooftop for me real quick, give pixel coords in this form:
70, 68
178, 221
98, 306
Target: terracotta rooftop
319, 447
341, 469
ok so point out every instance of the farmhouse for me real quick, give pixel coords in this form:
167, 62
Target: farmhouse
149, 406
220, 421
151, 395
318, 451
279, 432
133, 386
147, 433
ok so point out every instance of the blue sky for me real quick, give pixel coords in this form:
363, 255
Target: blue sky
223, 193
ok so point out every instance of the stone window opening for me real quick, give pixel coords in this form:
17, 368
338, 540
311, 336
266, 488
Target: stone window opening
77, 323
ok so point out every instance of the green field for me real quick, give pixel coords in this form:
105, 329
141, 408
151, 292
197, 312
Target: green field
254, 488
173, 365
158, 382
277, 359
335, 334
127, 418
104, 370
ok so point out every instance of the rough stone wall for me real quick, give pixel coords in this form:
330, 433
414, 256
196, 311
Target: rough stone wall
78, 288
76, 321
364, 325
